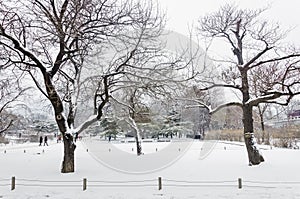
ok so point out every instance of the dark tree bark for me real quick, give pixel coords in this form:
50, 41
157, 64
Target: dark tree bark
253, 152
68, 159
69, 145
254, 155
138, 146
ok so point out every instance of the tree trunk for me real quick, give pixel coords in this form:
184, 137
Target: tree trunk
263, 130
262, 123
138, 146
138, 138
69, 148
254, 155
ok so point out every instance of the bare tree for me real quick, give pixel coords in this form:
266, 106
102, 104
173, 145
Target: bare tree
256, 45
135, 113
142, 87
57, 43
10, 93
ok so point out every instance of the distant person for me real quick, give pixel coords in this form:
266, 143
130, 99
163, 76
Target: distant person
109, 138
58, 138
46, 140
41, 140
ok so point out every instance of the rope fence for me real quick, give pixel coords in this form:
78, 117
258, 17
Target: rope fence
13, 183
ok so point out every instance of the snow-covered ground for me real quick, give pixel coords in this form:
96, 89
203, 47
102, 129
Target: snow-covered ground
190, 175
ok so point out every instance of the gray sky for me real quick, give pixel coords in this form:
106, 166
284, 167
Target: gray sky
182, 14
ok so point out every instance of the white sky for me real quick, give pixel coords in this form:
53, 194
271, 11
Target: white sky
182, 14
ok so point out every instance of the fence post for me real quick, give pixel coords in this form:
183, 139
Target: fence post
13, 183
159, 183
240, 183
84, 184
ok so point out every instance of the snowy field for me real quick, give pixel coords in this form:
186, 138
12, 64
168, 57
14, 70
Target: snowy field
198, 170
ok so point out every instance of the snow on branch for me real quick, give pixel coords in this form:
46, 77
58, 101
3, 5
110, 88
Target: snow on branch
199, 104
211, 110
271, 96
86, 124
265, 98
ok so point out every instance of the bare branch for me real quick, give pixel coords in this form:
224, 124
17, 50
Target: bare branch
7, 127
256, 57
92, 119
275, 59
221, 86
13, 99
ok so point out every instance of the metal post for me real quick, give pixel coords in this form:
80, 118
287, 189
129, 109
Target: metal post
84, 184
13, 183
240, 183
159, 183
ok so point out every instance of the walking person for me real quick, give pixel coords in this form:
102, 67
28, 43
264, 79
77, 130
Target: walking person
41, 140
46, 140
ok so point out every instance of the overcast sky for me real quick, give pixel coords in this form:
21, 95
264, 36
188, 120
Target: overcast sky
182, 14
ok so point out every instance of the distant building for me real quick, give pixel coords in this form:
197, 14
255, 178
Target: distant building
294, 115
293, 118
